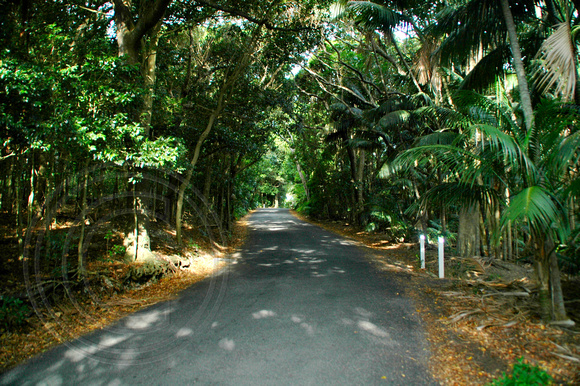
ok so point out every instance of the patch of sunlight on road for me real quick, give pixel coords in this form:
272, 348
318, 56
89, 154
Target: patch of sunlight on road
227, 344
109, 341
368, 329
127, 359
304, 251
373, 329
52, 379
269, 227
146, 319
76, 354
307, 327
268, 264
263, 314
183, 332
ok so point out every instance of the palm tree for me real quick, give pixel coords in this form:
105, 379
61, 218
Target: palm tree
491, 155
480, 30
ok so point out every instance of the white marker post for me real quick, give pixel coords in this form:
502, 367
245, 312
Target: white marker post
422, 243
441, 258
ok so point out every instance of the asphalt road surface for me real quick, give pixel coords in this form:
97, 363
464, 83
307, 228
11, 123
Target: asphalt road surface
301, 306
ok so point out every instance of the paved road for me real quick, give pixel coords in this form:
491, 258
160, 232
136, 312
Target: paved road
300, 307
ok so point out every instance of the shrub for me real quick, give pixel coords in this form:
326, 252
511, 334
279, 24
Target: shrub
13, 312
524, 374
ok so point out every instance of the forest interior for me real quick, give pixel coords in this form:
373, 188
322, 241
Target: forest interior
137, 134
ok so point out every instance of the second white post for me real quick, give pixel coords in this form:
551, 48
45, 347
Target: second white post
422, 248
441, 257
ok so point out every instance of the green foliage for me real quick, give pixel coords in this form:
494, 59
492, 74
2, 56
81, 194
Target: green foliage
117, 250
524, 374
13, 312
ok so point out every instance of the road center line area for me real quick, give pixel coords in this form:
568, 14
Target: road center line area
298, 306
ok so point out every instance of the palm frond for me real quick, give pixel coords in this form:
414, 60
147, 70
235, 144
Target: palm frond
483, 110
444, 117
573, 189
558, 142
400, 102
484, 74
566, 154
557, 64
394, 119
421, 99
506, 146
374, 16
338, 9
449, 158
468, 28
361, 143
536, 206
438, 138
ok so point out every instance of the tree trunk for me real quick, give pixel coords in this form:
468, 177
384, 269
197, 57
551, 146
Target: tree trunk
225, 89
359, 183
149, 78
183, 187
18, 204
559, 310
468, 236
542, 267
523, 87
207, 186
303, 179
80, 248
550, 287
130, 34
137, 240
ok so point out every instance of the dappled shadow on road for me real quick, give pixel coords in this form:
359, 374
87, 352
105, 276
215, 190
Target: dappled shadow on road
158, 334
299, 288
288, 245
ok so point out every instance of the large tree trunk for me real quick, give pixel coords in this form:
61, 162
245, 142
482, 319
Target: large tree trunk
137, 239
468, 237
130, 35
